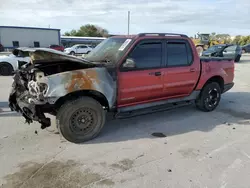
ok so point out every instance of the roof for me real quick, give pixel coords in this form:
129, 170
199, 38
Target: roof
124, 36
75, 37
38, 28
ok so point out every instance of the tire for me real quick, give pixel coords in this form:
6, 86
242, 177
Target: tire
237, 59
72, 53
209, 97
87, 52
6, 69
80, 120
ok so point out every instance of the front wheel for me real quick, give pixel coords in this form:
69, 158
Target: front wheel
6, 69
81, 120
209, 97
72, 53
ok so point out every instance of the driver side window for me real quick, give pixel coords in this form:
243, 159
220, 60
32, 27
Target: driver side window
145, 55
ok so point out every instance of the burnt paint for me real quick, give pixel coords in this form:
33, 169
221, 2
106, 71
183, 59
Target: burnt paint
96, 79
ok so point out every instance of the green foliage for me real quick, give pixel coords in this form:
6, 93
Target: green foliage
220, 37
88, 30
242, 40
239, 39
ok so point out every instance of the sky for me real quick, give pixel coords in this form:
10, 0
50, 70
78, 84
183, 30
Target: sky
179, 16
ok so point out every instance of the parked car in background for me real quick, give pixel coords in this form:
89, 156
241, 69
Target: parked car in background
57, 47
78, 49
224, 50
246, 48
12, 62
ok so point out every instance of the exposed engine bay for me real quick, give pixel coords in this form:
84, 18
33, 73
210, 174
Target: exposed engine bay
30, 86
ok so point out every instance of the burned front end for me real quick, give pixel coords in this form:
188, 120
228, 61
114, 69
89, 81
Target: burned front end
50, 76
27, 97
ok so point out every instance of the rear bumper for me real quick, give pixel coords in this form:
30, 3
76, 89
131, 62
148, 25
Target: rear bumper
228, 87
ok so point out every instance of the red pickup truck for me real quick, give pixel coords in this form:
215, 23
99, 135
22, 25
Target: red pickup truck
123, 75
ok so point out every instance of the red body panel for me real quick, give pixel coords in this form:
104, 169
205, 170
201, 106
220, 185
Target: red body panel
138, 87
181, 81
224, 69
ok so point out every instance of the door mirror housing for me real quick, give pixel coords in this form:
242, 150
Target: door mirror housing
129, 63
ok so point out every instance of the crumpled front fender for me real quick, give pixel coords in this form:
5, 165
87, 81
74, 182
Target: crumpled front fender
96, 79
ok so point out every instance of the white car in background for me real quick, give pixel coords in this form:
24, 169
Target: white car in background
11, 62
78, 49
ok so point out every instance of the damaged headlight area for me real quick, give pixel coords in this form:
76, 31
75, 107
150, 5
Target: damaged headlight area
28, 97
38, 89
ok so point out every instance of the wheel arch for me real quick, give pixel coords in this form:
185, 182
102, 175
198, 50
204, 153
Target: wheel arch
7, 63
98, 96
217, 79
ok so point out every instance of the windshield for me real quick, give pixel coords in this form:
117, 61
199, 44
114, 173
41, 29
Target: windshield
110, 50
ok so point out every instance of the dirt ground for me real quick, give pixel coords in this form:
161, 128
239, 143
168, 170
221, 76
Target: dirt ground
206, 150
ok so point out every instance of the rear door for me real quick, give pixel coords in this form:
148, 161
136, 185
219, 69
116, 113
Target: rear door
181, 70
143, 82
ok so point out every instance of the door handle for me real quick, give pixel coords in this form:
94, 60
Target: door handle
192, 70
155, 73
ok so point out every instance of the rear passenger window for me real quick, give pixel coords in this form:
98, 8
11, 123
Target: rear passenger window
178, 54
147, 55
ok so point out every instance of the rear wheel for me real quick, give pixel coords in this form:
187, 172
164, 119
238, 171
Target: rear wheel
6, 69
81, 120
209, 97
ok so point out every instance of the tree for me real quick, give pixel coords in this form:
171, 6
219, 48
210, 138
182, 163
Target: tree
88, 30
237, 39
213, 36
224, 37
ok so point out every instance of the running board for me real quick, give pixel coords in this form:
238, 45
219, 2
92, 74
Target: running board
149, 110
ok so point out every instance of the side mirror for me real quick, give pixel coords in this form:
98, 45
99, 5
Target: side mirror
129, 63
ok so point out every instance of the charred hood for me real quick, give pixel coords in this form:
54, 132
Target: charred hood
47, 55
51, 61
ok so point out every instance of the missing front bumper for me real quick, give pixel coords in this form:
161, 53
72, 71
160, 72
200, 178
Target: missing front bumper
31, 112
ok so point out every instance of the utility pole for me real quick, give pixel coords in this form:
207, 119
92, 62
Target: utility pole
128, 21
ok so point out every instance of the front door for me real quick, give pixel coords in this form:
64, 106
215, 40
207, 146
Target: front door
181, 70
140, 76
230, 51
81, 49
